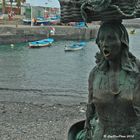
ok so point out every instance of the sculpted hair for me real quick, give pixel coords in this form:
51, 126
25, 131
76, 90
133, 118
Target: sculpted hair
128, 60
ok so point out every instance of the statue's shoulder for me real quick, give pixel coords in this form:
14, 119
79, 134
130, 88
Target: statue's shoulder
93, 72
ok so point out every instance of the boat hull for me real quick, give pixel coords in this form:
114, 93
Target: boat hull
75, 46
39, 45
73, 49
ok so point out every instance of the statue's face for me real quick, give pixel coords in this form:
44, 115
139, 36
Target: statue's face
110, 45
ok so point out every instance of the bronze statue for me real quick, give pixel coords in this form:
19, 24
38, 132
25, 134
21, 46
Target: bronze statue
113, 109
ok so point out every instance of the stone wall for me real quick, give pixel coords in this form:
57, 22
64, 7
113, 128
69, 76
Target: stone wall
10, 35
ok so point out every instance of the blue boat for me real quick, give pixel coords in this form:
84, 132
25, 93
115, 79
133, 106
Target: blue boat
39, 21
75, 46
80, 24
42, 21
41, 43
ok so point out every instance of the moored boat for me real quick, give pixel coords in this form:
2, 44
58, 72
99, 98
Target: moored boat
75, 46
41, 43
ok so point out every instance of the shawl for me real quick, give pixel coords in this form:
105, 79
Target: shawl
128, 60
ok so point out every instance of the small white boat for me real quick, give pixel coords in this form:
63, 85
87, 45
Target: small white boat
75, 46
41, 43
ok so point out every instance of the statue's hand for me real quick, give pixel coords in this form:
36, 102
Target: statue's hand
90, 112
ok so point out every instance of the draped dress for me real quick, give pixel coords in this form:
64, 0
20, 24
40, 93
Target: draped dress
118, 112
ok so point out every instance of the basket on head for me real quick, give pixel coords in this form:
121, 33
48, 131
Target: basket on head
94, 10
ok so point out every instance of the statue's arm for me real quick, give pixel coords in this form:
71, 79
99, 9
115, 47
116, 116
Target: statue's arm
90, 112
136, 96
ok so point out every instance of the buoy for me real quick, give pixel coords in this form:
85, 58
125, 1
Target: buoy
12, 45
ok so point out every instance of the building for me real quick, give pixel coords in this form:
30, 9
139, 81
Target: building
25, 9
10, 5
40, 10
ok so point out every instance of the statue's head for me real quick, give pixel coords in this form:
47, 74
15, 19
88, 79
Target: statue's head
112, 38
113, 42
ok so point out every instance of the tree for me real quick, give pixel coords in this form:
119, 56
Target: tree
11, 1
18, 3
3, 6
23, 1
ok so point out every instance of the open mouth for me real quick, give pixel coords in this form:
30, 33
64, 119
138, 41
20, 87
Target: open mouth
106, 52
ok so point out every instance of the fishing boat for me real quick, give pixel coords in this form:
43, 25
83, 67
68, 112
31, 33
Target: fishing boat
75, 46
41, 43
42, 21
39, 21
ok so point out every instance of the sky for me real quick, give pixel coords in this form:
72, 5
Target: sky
48, 3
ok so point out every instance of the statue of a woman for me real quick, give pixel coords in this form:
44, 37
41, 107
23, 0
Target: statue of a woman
113, 110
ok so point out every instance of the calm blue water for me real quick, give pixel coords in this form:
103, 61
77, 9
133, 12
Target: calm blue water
50, 70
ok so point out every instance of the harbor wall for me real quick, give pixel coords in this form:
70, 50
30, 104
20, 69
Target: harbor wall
12, 35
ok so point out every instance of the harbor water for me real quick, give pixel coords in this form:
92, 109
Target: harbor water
49, 75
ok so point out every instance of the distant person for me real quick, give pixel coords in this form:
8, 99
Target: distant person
34, 21
9, 15
52, 31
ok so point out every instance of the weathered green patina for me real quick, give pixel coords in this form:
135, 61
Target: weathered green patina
113, 109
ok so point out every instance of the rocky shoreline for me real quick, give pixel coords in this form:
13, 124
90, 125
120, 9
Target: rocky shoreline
22, 121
